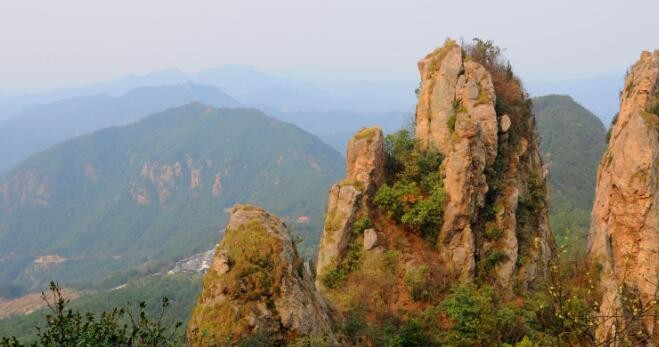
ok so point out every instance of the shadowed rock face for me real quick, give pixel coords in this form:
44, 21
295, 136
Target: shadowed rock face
492, 168
347, 199
624, 233
257, 287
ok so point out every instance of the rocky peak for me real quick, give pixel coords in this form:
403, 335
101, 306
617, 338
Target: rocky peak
347, 199
257, 286
624, 233
492, 167
463, 201
365, 156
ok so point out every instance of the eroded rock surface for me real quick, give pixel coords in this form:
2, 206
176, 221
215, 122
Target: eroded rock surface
257, 286
624, 233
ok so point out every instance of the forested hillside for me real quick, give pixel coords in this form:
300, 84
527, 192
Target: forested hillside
126, 201
572, 142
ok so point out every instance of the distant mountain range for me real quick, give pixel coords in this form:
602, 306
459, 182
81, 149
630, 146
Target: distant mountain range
251, 86
128, 200
42, 126
254, 87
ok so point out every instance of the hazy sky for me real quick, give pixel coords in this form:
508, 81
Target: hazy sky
46, 44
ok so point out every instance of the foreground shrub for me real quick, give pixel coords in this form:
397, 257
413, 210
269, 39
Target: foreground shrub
118, 327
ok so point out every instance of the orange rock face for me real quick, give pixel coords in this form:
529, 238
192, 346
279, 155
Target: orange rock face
624, 233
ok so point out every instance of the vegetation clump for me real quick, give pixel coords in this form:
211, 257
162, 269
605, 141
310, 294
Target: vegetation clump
121, 326
337, 274
361, 224
413, 194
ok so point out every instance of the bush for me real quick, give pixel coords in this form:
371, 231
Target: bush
536, 192
416, 280
118, 327
414, 194
479, 317
361, 224
336, 275
425, 284
397, 199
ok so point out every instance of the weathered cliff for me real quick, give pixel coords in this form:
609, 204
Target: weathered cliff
257, 287
624, 234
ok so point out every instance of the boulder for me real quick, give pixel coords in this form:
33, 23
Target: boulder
370, 239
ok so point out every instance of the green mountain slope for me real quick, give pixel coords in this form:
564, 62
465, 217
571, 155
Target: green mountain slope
128, 200
572, 142
40, 127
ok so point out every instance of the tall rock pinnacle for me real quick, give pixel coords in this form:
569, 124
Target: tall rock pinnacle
624, 233
346, 202
474, 111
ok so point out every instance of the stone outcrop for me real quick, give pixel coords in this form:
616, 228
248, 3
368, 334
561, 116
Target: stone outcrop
364, 173
257, 286
492, 169
491, 184
624, 233
365, 157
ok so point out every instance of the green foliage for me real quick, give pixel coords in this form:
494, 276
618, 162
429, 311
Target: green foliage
492, 232
336, 274
418, 282
535, 198
181, 289
426, 214
395, 200
109, 237
117, 327
361, 224
492, 258
414, 194
479, 317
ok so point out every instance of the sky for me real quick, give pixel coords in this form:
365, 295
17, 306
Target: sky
50, 44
